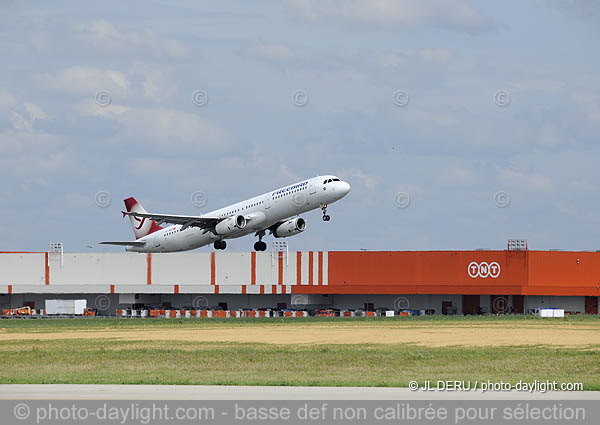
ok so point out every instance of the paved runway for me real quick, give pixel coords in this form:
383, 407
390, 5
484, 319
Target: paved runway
209, 392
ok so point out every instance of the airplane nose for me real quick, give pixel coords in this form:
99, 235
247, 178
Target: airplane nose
345, 188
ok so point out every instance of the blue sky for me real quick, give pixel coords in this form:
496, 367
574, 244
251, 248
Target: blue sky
498, 140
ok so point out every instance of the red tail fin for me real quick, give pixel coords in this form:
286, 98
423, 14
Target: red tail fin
141, 225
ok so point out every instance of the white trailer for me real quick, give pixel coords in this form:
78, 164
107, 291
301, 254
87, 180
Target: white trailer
70, 307
550, 312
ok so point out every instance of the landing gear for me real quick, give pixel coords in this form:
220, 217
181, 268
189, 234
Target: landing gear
220, 244
325, 216
260, 245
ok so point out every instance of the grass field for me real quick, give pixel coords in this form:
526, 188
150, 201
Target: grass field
310, 351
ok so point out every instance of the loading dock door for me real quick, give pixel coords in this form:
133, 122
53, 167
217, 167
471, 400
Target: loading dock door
518, 304
499, 304
470, 304
591, 305
446, 306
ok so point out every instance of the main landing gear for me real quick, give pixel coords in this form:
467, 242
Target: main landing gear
260, 245
220, 244
325, 216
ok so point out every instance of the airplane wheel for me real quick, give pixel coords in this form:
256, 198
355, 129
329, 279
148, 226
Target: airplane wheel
257, 246
263, 246
217, 244
223, 244
326, 218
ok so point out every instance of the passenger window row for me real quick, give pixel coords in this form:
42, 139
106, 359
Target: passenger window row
227, 214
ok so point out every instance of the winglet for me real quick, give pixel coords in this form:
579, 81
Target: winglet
124, 213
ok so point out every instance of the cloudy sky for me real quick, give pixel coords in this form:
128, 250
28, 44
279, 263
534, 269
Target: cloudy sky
459, 124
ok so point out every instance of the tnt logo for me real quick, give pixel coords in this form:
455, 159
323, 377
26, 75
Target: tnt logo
484, 269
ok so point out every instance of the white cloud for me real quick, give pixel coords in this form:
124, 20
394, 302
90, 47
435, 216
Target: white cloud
394, 59
460, 175
23, 123
8, 101
583, 185
86, 80
153, 81
35, 112
161, 127
173, 128
286, 171
453, 15
403, 59
104, 35
368, 180
89, 108
540, 83
174, 48
591, 103
271, 52
529, 181
77, 201
436, 54
420, 115
578, 9
156, 84
565, 208
16, 141
40, 42
19, 122
549, 136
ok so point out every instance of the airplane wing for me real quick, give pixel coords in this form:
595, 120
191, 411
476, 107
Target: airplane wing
185, 220
126, 243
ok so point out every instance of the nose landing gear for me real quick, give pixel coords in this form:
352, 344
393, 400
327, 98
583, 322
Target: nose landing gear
325, 216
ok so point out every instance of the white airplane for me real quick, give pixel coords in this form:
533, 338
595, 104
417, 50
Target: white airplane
277, 212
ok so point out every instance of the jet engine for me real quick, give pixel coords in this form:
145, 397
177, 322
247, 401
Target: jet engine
290, 228
230, 225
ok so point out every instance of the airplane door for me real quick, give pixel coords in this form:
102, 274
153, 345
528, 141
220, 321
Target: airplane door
311, 187
267, 201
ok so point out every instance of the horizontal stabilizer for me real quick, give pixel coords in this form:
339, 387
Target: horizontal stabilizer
126, 243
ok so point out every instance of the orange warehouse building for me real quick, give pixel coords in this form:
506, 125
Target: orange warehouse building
514, 280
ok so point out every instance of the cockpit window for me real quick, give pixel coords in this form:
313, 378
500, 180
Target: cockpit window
335, 180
